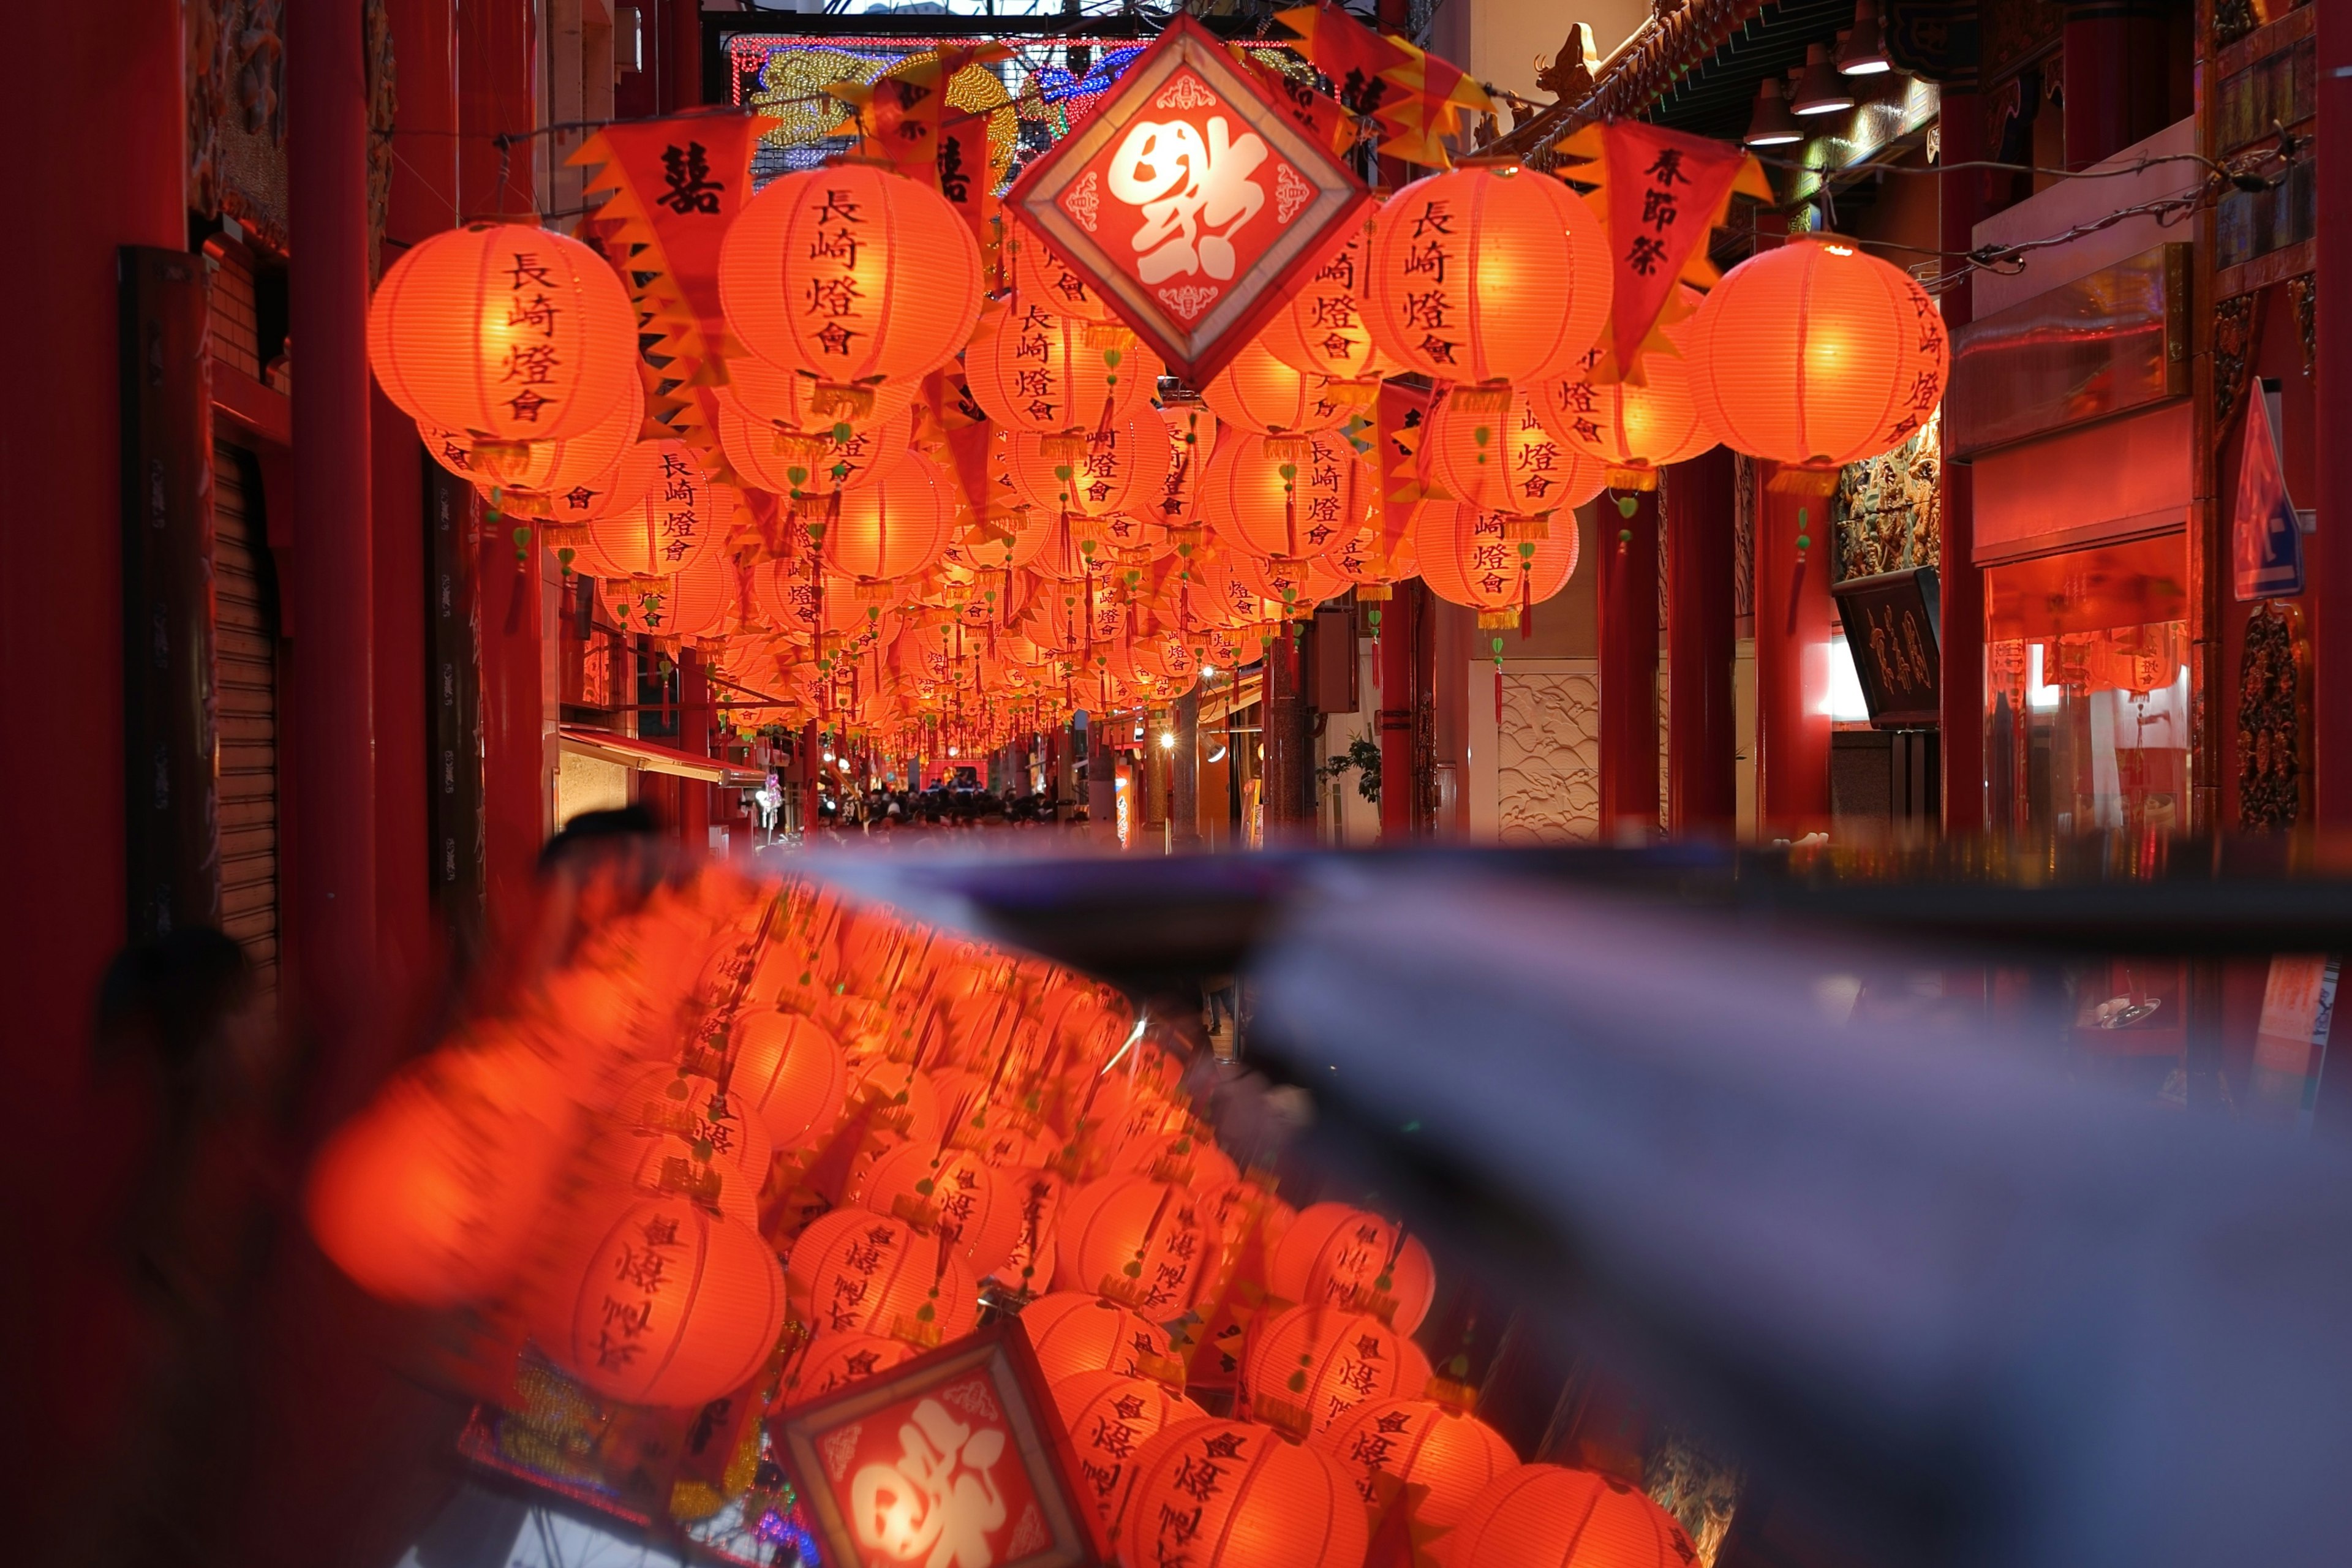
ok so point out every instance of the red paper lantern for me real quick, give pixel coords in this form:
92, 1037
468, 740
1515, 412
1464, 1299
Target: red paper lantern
1490, 563
1110, 1418
1816, 355
1034, 369
431, 1194
1075, 1332
972, 1206
1114, 468
1495, 272
566, 480
849, 272
509, 332
1378, 556
1325, 328
1546, 1516
1193, 430
1256, 391
1230, 1494
665, 1102
672, 1165
895, 528
1147, 1243
807, 464
696, 602
831, 1362
1293, 588
682, 516
793, 400
1488, 449
1286, 496
1305, 1369
1420, 1456
1343, 1256
1642, 427
790, 1074
1040, 273
668, 1304
878, 1275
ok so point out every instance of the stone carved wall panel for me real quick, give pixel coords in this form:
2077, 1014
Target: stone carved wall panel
1549, 757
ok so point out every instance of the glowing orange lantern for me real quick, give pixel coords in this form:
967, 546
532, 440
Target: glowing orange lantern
1341, 1255
1276, 1504
1815, 355
1324, 330
793, 400
850, 273
1094, 473
1292, 587
1286, 496
566, 480
696, 601
507, 331
1148, 1244
682, 517
1377, 557
671, 1164
1034, 369
805, 465
1308, 1367
1418, 1455
1109, 1418
1256, 391
667, 1102
1546, 1516
1487, 447
1193, 429
1473, 558
1637, 430
668, 1304
894, 528
831, 1362
1494, 273
881, 1275
1075, 1332
790, 1074
1040, 273
431, 1194
970, 1205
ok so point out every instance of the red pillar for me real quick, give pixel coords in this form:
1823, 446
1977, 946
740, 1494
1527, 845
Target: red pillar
683, 60
695, 716
1793, 634
2330, 558
1702, 742
1627, 594
1400, 697
1962, 666
333, 781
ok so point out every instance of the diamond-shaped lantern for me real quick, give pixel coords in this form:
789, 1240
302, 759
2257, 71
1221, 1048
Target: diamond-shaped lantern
1191, 200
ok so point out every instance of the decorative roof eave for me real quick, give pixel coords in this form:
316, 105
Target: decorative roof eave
1632, 80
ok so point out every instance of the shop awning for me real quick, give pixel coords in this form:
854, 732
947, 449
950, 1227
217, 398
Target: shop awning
645, 757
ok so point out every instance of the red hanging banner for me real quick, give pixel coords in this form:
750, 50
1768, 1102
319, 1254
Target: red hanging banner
1191, 200
1664, 191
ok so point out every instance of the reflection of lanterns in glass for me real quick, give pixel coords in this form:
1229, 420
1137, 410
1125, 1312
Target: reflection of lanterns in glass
1582, 1518
1281, 1505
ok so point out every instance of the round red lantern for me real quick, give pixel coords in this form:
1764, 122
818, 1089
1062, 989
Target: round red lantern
1491, 272
1115, 469
1642, 427
803, 464
1039, 273
850, 272
671, 1164
1418, 1455
1344, 1256
1377, 555
1286, 496
1034, 369
1267, 1502
1293, 587
831, 1362
1308, 1367
1075, 1332
507, 331
879, 1275
681, 516
895, 528
972, 1206
793, 400
668, 1304
1487, 447
667, 1102
431, 1194
789, 1075
1546, 1516
1816, 355
1493, 564
1149, 1244
1256, 391
1109, 1418
565, 480
1324, 329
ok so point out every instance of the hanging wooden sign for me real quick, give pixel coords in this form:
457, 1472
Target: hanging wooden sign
1191, 201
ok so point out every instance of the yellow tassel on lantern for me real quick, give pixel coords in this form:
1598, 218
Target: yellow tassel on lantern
1632, 478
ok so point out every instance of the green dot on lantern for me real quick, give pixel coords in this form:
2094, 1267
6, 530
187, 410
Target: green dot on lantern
1627, 506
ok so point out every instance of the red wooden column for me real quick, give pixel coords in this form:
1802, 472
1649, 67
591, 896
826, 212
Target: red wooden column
333, 781
2328, 554
1792, 676
1702, 741
1628, 603
695, 716
1962, 583
1400, 699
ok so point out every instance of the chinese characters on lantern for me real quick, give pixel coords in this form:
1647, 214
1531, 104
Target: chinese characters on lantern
834, 296
529, 365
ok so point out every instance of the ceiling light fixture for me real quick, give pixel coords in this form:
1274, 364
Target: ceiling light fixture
1863, 52
1819, 91
1769, 124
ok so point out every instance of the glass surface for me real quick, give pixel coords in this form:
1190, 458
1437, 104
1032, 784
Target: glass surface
2087, 692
